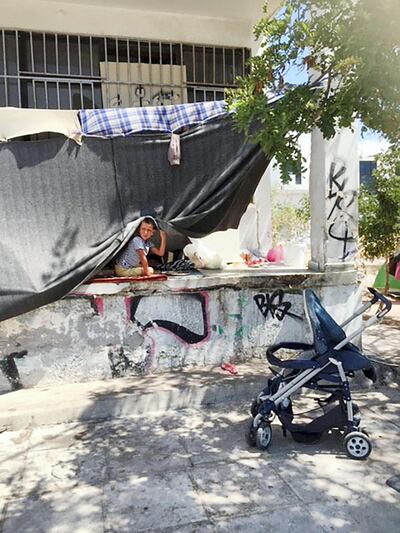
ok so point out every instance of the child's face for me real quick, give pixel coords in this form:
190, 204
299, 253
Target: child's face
146, 231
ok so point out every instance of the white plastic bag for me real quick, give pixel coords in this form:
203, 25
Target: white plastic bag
203, 257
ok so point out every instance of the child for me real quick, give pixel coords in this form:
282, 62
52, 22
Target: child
132, 261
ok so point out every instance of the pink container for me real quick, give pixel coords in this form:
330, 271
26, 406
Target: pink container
276, 254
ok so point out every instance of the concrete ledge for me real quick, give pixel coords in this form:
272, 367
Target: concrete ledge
102, 400
269, 277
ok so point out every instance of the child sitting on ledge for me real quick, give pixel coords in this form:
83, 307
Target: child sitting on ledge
132, 261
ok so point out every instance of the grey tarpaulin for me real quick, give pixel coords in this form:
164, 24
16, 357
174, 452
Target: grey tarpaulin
64, 208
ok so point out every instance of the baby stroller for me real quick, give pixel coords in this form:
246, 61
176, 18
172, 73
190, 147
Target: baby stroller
323, 366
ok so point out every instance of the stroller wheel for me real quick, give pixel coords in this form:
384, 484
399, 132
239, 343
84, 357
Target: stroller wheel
263, 435
250, 434
357, 445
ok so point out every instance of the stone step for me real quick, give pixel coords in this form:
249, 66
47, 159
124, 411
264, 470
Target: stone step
102, 400
155, 393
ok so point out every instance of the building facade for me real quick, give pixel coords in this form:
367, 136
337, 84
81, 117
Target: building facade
87, 54
93, 53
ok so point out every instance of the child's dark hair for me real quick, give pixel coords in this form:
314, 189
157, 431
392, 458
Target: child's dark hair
151, 221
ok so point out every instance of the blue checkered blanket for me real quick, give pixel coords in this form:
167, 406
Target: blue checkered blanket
126, 121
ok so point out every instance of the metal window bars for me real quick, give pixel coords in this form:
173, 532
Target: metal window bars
59, 71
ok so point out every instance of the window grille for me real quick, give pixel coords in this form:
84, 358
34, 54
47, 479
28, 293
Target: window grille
54, 71
298, 178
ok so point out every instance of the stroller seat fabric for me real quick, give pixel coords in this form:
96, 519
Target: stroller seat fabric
326, 331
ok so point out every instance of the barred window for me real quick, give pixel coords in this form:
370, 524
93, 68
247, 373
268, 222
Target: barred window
54, 71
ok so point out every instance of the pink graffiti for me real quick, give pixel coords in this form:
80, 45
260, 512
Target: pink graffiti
99, 303
128, 308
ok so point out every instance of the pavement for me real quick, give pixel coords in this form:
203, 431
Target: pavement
382, 342
166, 453
191, 471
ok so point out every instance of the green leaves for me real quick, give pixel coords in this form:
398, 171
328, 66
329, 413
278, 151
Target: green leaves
352, 50
289, 222
379, 225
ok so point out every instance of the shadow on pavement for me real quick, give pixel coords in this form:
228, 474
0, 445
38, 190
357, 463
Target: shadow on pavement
191, 471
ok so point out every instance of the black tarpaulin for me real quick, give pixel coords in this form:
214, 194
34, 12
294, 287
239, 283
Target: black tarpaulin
65, 208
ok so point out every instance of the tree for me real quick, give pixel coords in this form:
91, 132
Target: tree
351, 48
289, 222
379, 225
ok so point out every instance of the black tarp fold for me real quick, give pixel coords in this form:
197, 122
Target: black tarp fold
65, 208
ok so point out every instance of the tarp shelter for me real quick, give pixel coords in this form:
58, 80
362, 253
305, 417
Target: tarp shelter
380, 280
18, 122
67, 209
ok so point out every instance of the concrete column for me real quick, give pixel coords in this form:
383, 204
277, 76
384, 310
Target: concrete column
334, 182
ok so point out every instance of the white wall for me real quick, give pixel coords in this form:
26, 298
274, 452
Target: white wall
298, 190
226, 22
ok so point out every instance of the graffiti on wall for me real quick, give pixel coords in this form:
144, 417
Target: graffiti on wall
182, 315
122, 364
341, 218
9, 368
274, 305
132, 334
185, 317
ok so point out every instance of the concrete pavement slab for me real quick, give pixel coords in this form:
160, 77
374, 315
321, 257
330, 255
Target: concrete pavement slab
12, 441
140, 447
199, 527
325, 477
384, 403
296, 520
356, 516
220, 438
191, 471
235, 488
58, 469
214, 436
12, 468
79, 511
58, 436
151, 502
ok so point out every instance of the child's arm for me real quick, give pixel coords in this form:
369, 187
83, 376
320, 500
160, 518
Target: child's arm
147, 271
161, 250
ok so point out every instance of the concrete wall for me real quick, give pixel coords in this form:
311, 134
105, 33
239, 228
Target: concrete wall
226, 22
88, 337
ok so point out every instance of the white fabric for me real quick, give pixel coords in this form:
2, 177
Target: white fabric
202, 256
225, 243
174, 150
17, 122
249, 230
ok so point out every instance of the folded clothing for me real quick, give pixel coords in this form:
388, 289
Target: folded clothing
180, 265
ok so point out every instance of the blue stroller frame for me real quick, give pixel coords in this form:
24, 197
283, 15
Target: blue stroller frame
324, 366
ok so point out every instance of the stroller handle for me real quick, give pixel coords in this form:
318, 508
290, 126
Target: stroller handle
378, 297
